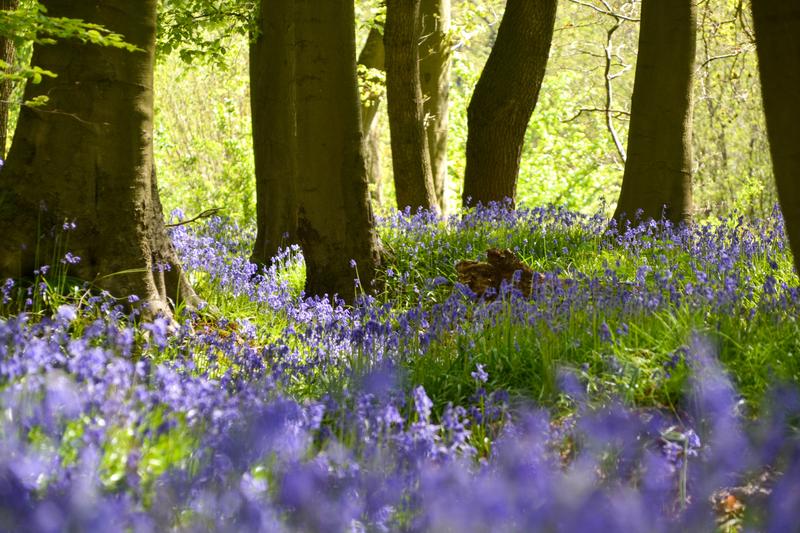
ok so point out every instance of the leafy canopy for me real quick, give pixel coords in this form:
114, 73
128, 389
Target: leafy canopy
199, 29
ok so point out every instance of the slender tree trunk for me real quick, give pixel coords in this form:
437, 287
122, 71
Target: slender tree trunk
434, 65
8, 53
87, 157
658, 172
413, 178
504, 100
272, 100
373, 58
335, 221
777, 25
372, 158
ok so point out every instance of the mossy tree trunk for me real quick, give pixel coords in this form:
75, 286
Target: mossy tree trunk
658, 171
87, 157
777, 27
504, 100
272, 101
411, 164
8, 53
434, 65
335, 222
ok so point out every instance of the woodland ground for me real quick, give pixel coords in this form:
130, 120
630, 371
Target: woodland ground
649, 383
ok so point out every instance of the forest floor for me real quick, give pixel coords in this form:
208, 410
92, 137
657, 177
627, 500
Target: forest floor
646, 379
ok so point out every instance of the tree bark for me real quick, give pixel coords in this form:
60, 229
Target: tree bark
658, 172
504, 100
777, 28
335, 222
373, 57
87, 157
272, 101
434, 65
413, 178
8, 53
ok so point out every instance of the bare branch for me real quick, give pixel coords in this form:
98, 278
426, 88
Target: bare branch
207, 213
711, 59
607, 11
617, 113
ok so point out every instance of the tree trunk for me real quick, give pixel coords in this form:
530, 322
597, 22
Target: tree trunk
434, 65
8, 53
413, 179
87, 157
272, 100
504, 100
372, 57
777, 26
372, 158
658, 172
335, 221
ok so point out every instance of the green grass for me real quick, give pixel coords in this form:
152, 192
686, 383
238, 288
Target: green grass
757, 350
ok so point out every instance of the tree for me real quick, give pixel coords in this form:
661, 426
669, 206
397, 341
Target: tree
306, 126
272, 97
335, 222
8, 54
411, 164
658, 171
777, 28
371, 69
372, 63
272, 91
87, 157
434, 66
504, 100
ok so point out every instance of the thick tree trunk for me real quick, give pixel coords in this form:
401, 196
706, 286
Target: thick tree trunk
777, 25
335, 221
434, 65
413, 178
504, 99
8, 53
372, 57
658, 172
272, 100
87, 157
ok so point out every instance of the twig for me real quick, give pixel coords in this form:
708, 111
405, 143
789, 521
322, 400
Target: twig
608, 11
204, 214
616, 112
735, 53
73, 116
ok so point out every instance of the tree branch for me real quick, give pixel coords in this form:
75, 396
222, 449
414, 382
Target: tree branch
207, 213
616, 112
607, 11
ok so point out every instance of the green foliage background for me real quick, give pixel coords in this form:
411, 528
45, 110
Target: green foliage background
203, 140
202, 135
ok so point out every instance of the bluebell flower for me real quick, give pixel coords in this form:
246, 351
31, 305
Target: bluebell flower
66, 313
479, 374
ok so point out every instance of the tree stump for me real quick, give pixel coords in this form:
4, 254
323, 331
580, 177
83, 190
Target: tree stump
500, 265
